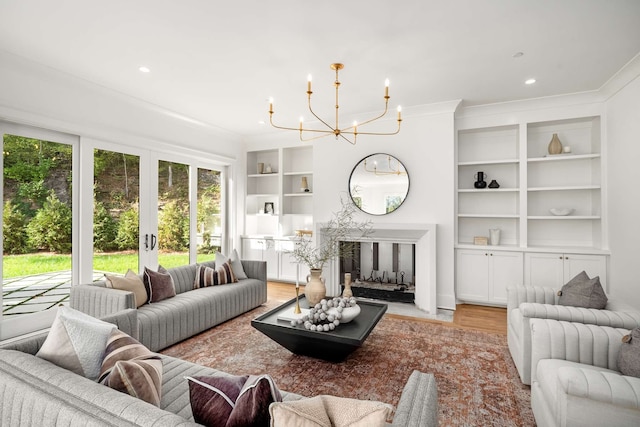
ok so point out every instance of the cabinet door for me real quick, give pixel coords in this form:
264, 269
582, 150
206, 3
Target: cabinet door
270, 255
288, 265
544, 269
472, 275
252, 249
505, 270
593, 265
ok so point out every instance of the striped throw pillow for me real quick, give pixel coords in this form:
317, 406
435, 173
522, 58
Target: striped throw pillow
131, 368
207, 276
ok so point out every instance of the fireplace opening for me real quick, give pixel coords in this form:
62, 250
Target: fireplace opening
380, 270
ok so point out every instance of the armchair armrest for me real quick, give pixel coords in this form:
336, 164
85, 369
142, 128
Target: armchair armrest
615, 319
606, 387
255, 269
98, 301
418, 406
516, 295
576, 342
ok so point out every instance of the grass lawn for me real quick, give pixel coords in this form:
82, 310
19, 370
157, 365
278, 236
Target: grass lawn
117, 262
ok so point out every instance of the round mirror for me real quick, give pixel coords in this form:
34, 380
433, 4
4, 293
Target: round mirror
379, 184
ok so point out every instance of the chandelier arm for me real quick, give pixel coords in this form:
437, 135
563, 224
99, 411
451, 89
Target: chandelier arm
318, 117
326, 133
355, 135
381, 133
386, 108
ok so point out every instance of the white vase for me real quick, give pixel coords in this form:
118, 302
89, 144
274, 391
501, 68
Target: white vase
494, 236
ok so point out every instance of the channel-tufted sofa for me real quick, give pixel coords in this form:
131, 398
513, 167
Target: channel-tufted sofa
532, 302
164, 323
575, 380
36, 393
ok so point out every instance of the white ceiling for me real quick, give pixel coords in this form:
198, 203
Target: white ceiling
218, 62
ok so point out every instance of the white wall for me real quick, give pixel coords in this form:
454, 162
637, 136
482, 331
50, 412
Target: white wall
623, 135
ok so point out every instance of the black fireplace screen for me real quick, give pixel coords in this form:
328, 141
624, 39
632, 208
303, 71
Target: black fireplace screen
380, 270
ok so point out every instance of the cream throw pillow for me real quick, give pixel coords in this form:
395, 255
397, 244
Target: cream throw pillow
329, 411
76, 342
130, 282
234, 260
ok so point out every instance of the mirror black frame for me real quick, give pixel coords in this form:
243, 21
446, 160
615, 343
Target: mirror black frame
361, 164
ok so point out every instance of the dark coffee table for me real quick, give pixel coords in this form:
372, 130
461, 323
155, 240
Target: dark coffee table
333, 346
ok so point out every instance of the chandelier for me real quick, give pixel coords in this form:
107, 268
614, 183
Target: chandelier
350, 133
389, 170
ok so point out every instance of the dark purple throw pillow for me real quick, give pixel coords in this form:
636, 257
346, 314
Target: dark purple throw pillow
159, 284
232, 401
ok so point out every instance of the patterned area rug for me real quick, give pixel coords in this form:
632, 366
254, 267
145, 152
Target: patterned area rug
478, 384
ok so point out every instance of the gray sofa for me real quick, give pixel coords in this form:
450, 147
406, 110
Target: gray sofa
35, 392
164, 323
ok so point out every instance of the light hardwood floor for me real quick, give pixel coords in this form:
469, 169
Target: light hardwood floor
466, 316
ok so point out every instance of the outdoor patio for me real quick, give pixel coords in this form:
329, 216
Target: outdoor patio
30, 294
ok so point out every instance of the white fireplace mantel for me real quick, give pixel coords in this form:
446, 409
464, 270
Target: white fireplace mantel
422, 235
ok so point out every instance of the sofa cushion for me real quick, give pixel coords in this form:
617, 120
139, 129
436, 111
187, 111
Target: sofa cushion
76, 341
230, 401
131, 368
206, 276
629, 354
583, 292
329, 411
234, 260
130, 282
159, 284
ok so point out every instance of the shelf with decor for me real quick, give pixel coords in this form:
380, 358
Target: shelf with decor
546, 203
291, 172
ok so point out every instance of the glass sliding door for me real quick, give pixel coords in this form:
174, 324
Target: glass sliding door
209, 214
174, 239
37, 226
116, 212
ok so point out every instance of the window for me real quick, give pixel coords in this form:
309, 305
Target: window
37, 226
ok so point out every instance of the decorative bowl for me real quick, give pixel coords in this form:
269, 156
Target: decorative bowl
561, 211
348, 313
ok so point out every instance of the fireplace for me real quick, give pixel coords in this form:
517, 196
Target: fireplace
398, 248
380, 270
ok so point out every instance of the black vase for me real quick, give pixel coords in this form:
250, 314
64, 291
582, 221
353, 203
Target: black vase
480, 182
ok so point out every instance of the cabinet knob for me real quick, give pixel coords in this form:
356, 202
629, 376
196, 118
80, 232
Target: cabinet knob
490, 254
560, 257
486, 254
566, 257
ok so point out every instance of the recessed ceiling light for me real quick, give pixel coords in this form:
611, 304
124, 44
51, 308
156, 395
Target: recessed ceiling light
529, 81
517, 54
144, 69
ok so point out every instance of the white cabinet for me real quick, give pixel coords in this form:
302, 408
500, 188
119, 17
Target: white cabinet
484, 275
556, 269
280, 265
262, 250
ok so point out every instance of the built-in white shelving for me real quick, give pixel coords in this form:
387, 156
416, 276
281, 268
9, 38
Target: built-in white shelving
532, 182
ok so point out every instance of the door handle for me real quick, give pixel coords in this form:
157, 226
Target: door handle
146, 242
154, 240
